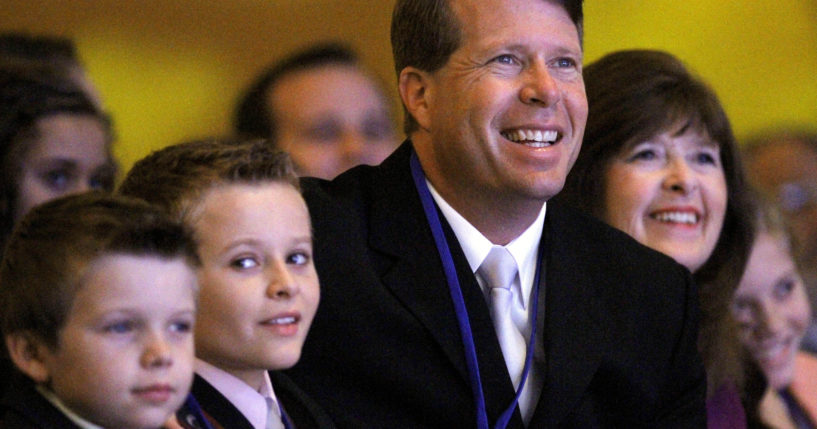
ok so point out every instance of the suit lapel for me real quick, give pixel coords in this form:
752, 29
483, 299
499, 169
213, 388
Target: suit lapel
574, 333
216, 406
398, 228
416, 278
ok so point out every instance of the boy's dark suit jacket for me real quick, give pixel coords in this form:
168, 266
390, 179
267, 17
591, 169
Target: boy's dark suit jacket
22, 407
385, 351
221, 413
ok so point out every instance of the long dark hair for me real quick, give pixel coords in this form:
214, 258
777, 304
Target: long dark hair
635, 95
30, 91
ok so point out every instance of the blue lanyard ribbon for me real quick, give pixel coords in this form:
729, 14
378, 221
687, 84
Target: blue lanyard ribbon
462, 312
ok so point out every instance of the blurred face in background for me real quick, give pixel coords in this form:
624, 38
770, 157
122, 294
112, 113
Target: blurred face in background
669, 193
772, 309
331, 118
787, 169
68, 154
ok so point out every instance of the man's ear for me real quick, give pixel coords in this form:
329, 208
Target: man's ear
28, 353
417, 94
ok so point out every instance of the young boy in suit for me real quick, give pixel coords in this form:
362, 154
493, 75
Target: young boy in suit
98, 299
259, 289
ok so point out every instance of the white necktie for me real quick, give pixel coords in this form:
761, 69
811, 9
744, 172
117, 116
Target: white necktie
499, 270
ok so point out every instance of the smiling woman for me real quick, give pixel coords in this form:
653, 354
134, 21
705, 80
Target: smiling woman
772, 309
669, 193
659, 161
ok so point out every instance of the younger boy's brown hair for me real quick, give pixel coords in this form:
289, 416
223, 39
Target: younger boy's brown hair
50, 250
175, 178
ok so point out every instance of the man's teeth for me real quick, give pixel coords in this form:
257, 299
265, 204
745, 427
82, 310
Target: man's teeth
676, 217
281, 321
534, 138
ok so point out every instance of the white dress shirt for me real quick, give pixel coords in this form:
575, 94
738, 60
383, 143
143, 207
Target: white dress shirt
524, 250
251, 403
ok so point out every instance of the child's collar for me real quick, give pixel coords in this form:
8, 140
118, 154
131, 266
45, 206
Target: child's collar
74, 417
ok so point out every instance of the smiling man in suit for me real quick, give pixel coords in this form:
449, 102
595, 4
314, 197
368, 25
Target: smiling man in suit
589, 329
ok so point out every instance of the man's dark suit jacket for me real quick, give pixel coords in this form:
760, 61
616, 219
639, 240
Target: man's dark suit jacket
384, 351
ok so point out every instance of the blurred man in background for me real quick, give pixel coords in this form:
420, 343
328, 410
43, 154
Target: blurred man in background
324, 108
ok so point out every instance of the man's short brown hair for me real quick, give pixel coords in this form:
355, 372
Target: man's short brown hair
424, 34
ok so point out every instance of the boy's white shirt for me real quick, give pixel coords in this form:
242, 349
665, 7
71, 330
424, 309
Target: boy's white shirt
251, 403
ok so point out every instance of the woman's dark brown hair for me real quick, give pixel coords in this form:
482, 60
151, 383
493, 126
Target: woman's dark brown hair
30, 91
633, 96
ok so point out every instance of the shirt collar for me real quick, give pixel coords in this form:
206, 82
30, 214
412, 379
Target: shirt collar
476, 246
251, 403
74, 417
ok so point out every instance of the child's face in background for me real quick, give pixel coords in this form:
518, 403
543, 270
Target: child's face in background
69, 155
259, 288
772, 308
125, 354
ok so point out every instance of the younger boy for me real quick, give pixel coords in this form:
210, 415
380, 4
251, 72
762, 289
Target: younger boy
98, 304
259, 288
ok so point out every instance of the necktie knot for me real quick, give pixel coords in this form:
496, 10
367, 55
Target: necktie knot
499, 268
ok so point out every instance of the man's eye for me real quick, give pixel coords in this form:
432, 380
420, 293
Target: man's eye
377, 128
565, 63
505, 59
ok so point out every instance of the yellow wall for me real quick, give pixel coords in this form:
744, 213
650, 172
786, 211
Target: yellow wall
170, 70
760, 56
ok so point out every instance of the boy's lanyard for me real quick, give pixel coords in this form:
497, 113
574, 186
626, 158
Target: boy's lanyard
462, 312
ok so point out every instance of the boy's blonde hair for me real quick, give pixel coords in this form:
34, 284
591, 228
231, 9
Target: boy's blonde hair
176, 177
